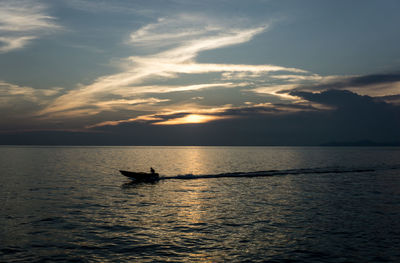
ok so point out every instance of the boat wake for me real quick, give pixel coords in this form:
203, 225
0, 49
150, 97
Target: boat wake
325, 170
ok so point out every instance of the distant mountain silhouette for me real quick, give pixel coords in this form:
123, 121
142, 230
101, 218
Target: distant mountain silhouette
361, 143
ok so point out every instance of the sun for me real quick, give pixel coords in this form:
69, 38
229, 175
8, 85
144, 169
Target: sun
190, 119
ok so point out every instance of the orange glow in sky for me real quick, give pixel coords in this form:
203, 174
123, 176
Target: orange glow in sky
191, 118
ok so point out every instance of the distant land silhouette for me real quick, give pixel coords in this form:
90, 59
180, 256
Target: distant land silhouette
361, 143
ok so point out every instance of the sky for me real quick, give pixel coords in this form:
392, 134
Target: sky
182, 72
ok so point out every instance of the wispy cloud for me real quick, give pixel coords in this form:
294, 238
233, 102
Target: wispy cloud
110, 6
179, 114
11, 43
8, 92
21, 21
138, 90
174, 30
192, 113
19, 104
182, 39
128, 104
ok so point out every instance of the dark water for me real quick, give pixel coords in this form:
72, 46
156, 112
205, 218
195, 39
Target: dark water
254, 204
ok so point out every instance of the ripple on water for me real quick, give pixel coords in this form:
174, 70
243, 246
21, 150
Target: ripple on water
302, 214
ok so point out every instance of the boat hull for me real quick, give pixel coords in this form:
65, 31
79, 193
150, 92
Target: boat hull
142, 177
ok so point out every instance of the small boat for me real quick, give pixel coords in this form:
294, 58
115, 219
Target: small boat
141, 176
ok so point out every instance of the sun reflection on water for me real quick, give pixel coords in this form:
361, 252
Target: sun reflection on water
193, 160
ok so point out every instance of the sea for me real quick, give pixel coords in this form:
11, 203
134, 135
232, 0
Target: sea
212, 204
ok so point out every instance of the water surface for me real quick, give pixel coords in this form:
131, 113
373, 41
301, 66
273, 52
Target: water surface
70, 203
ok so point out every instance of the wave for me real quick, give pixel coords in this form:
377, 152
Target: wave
324, 170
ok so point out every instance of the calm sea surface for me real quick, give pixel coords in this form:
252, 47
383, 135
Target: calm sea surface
317, 205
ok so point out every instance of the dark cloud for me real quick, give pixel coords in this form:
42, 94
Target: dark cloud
393, 99
342, 99
273, 109
359, 82
374, 79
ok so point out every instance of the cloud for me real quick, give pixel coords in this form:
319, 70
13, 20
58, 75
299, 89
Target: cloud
368, 80
393, 99
350, 117
373, 84
170, 88
110, 6
128, 104
19, 104
287, 86
190, 119
10, 93
182, 39
192, 113
21, 21
177, 114
189, 49
142, 89
11, 43
276, 90
337, 98
174, 30
350, 103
